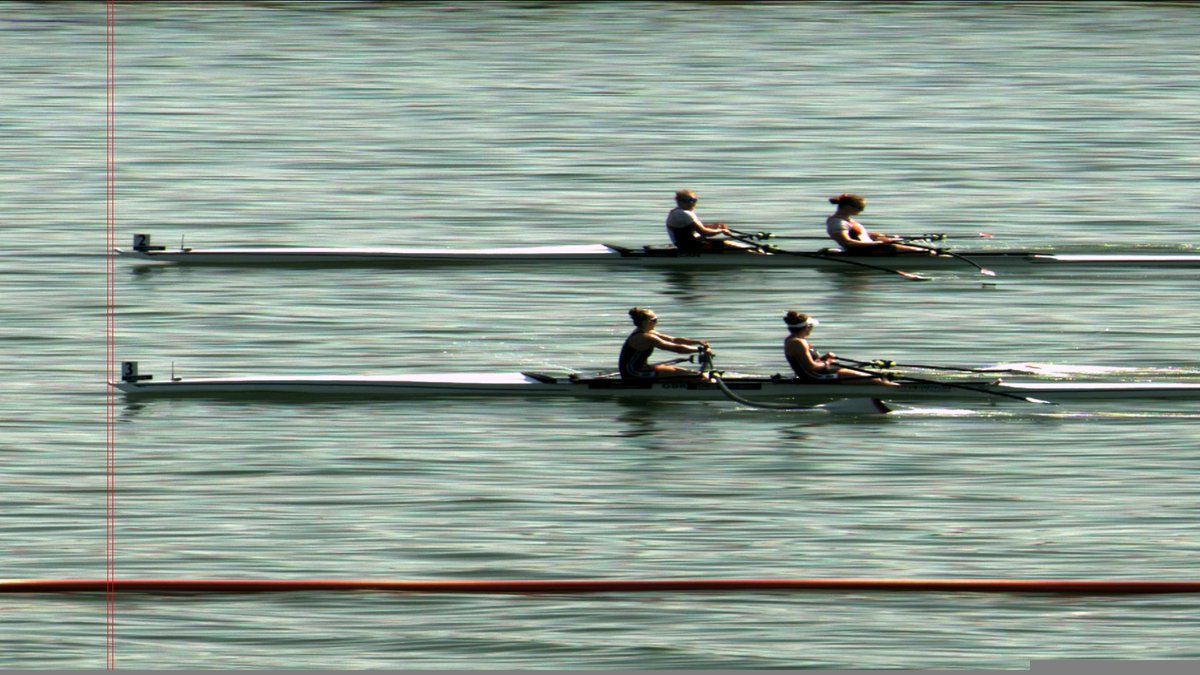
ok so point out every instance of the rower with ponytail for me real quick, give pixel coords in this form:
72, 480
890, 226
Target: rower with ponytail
633, 362
856, 239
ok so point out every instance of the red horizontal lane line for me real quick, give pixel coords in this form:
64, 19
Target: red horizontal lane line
1087, 587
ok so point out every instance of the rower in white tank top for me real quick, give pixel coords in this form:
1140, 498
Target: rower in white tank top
858, 240
687, 231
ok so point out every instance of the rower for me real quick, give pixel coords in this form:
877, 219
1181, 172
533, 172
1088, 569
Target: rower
635, 353
856, 239
691, 236
812, 367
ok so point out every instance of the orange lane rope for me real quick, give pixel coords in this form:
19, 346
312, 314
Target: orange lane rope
572, 586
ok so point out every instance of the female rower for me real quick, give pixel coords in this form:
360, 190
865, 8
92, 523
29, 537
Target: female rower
854, 238
688, 233
812, 367
641, 343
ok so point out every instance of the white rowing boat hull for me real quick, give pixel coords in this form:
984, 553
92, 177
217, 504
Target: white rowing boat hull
646, 256
376, 256
542, 385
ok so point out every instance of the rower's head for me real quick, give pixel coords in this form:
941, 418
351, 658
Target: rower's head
686, 199
849, 202
643, 318
799, 324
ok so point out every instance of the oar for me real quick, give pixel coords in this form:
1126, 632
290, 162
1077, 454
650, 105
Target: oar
941, 251
772, 249
880, 363
965, 387
768, 235
905, 238
940, 236
760, 235
874, 406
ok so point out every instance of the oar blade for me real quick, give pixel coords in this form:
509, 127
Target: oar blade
913, 277
986, 272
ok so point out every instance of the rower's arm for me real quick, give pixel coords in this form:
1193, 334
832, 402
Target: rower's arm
849, 244
816, 365
843, 238
711, 230
677, 345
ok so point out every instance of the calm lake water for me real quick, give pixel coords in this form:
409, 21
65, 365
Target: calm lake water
410, 124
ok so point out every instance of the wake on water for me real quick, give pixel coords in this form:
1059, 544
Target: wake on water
1065, 370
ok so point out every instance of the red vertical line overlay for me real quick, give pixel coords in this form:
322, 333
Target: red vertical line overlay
110, 324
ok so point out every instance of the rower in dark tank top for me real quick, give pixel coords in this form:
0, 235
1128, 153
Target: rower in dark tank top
809, 365
633, 362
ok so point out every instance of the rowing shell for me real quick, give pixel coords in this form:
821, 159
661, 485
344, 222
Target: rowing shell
534, 384
653, 256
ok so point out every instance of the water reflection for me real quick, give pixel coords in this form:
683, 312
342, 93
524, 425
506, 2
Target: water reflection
130, 411
812, 426
682, 284
855, 285
140, 270
639, 419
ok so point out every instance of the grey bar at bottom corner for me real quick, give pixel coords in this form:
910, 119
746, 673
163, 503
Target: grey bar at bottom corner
1115, 667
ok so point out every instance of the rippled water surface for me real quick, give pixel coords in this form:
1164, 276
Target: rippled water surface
398, 124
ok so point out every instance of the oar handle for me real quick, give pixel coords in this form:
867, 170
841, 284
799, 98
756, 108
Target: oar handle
876, 363
927, 236
690, 358
751, 235
748, 239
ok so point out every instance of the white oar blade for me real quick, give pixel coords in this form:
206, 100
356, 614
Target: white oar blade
987, 272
